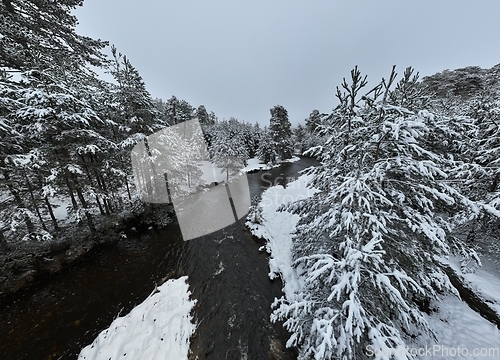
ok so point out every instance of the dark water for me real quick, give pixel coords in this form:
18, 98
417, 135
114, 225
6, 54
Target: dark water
58, 318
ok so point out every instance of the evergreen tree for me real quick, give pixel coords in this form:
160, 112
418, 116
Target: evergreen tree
228, 147
137, 111
267, 150
314, 121
299, 138
280, 129
202, 115
178, 111
39, 34
368, 240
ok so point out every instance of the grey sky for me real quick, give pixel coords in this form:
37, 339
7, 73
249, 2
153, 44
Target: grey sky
240, 58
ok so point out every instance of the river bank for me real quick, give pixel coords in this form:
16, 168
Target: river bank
227, 276
467, 320
26, 265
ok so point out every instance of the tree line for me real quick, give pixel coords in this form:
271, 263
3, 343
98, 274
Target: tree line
66, 134
409, 174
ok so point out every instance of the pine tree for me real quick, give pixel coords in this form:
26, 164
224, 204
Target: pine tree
137, 108
228, 147
367, 242
178, 111
58, 120
267, 150
280, 129
202, 115
300, 138
314, 121
49, 110
39, 34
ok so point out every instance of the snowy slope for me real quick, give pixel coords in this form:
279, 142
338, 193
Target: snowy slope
461, 332
158, 328
485, 281
277, 228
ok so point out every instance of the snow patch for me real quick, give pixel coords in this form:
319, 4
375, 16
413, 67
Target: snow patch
457, 326
277, 227
254, 164
158, 328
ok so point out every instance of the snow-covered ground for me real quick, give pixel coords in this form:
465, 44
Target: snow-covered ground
254, 164
461, 332
158, 328
211, 173
485, 281
60, 208
277, 227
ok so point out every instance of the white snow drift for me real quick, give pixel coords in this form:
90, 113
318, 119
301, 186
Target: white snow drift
158, 328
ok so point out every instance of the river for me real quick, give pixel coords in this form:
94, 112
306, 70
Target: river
227, 275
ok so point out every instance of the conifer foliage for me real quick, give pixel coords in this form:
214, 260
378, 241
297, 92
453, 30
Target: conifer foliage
66, 135
280, 130
368, 240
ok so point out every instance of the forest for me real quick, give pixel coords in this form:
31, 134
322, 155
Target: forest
66, 135
408, 178
409, 174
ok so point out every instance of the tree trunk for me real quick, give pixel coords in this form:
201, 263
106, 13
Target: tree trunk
33, 200
89, 176
494, 184
19, 202
101, 210
102, 185
3, 242
51, 212
128, 189
84, 205
71, 195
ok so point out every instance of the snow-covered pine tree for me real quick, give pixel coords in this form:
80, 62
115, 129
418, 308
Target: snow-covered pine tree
14, 208
256, 135
29, 170
228, 147
249, 136
138, 112
178, 111
366, 244
38, 33
314, 120
267, 152
202, 115
132, 114
45, 62
56, 118
470, 102
300, 138
479, 173
280, 129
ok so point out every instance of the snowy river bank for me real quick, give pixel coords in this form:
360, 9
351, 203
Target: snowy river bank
462, 330
227, 276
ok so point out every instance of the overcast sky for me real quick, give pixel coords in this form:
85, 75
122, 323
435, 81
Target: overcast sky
240, 58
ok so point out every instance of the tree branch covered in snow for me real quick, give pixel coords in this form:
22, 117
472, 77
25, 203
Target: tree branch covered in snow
366, 243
